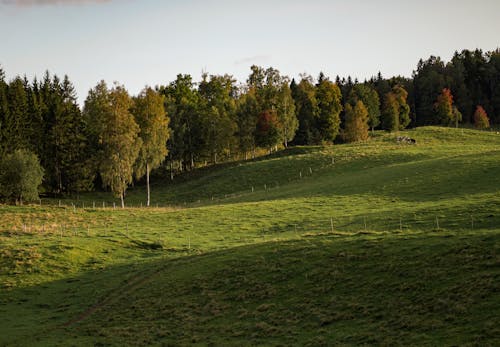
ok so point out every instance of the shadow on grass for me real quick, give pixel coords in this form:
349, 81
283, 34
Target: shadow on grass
401, 289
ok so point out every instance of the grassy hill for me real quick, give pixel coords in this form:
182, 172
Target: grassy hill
372, 243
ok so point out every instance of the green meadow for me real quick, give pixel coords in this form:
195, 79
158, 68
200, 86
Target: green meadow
375, 243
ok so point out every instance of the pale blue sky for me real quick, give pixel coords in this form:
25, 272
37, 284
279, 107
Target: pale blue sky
139, 42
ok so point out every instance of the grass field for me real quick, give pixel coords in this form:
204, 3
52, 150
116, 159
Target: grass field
372, 243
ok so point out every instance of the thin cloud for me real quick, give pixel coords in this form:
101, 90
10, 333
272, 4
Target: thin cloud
29, 3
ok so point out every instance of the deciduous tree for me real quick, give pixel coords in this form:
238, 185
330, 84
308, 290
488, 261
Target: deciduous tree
481, 120
356, 122
117, 134
329, 101
150, 115
20, 176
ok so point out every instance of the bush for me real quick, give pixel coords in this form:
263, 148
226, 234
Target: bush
20, 176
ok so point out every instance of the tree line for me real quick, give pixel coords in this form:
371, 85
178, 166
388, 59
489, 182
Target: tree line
116, 139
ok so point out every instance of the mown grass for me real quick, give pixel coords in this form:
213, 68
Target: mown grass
373, 243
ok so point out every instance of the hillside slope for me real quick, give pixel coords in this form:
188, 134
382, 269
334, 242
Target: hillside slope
373, 243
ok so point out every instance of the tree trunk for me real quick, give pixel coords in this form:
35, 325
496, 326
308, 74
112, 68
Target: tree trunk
147, 183
121, 198
171, 170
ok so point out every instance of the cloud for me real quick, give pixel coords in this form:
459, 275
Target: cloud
254, 59
28, 3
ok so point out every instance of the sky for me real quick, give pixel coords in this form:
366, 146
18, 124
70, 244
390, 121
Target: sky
149, 42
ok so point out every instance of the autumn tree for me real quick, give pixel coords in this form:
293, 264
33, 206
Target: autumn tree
443, 107
118, 135
150, 115
481, 120
403, 107
267, 132
356, 122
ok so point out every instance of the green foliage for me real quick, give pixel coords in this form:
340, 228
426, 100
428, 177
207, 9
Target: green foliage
217, 106
307, 109
20, 176
285, 109
150, 115
390, 113
267, 133
246, 118
370, 98
395, 111
183, 107
273, 95
230, 271
17, 129
356, 122
329, 101
117, 134
403, 108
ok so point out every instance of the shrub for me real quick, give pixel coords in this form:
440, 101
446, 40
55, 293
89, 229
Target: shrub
20, 176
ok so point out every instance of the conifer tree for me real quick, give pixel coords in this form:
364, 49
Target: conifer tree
4, 111
150, 115
17, 129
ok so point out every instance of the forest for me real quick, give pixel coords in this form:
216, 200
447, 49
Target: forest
116, 139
